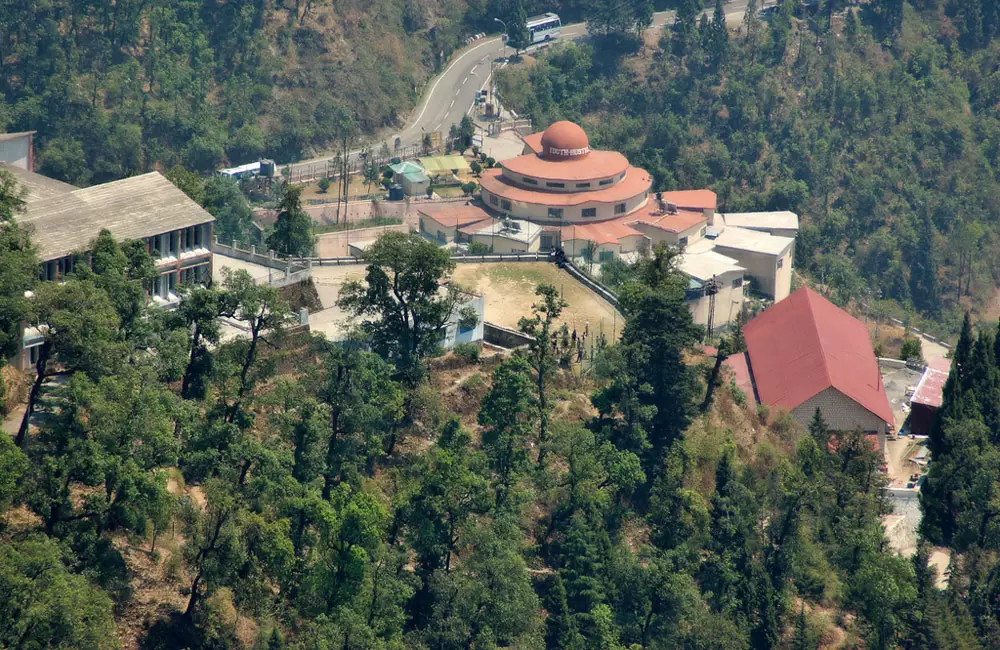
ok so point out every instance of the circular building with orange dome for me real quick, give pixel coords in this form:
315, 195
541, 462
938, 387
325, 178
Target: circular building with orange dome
561, 180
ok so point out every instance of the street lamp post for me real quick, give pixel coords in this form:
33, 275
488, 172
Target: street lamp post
503, 55
503, 37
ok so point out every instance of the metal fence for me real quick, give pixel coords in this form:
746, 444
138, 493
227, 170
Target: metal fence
459, 259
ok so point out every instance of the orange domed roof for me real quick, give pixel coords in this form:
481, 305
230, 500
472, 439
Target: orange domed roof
564, 140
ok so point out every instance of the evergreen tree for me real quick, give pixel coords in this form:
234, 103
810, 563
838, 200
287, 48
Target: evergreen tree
685, 26
801, 639
718, 51
508, 412
818, 430
850, 26
751, 28
560, 628
583, 555
293, 229
924, 287
974, 30
518, 36
737, 343
886, 17
539, 328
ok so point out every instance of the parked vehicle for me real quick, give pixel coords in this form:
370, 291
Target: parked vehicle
544, 27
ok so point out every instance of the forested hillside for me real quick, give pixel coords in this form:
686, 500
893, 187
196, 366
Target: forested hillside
274, 490
119, 87
878, 124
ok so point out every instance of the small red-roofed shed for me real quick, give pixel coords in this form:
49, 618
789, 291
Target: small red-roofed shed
926, 400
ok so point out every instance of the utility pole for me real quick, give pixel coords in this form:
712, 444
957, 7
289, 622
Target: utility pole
711, 287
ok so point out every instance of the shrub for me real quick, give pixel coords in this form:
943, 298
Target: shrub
473, 383
911, 349
738, 395
468, 352
478, 248
324, 184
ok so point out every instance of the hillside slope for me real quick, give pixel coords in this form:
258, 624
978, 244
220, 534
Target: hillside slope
119, 87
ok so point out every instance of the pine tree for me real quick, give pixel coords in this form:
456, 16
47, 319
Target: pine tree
686, 25
560, 629
751, 28
850, 26
275, 640
801, 639
974, 32
924, 287
737, 342
984, 380
819, 431
719, 43
961, 359
293, 229
517, 28
996, 345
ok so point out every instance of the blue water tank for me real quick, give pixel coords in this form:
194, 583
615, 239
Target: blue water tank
396, 192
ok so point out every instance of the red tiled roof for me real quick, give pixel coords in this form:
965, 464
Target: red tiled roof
591, 167
804, 345
741, 371
651, 215
602, 232
929, 390
534, 141
636, 182
475, 226
455, 216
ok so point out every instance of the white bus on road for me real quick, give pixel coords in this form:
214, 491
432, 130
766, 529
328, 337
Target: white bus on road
544, 27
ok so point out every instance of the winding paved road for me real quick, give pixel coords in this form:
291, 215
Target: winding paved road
451, 94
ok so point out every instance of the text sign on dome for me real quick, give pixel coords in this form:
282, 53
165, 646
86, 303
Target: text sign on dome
568, 152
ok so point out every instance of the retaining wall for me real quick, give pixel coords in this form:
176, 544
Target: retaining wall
504, 337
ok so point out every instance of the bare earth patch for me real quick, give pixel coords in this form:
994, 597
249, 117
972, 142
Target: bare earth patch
509, 289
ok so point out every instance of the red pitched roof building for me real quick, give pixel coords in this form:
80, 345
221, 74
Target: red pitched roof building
806, 353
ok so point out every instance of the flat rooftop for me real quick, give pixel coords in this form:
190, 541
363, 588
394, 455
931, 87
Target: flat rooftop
705, 265
782, 220
929, 390
513, 229
752, 241
131, 208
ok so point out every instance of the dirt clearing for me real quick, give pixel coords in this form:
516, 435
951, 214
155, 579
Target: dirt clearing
509, 289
